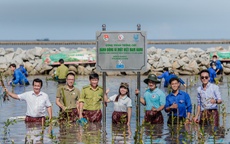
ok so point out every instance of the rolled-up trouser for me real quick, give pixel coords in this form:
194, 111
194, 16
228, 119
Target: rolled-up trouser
34, 119
209, 117
154, 117
92, 115
119, 117
69, 115
175, 120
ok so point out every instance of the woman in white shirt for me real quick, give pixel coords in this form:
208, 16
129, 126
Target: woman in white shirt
122, 105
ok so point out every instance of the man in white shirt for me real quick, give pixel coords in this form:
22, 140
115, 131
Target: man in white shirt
37, 102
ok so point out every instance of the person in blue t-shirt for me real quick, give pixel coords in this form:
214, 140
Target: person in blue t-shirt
219, 68
154, 100
23, 70
212, 72
164, 75
178, 104
18, 77
172, 75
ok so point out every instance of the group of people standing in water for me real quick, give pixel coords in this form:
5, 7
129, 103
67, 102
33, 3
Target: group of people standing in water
75, 104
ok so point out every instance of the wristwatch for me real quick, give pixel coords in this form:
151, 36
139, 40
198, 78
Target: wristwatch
216, 101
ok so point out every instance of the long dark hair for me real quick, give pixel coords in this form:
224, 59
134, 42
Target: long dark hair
116, 100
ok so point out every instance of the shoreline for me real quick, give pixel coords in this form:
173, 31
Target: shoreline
93, 42
37, 60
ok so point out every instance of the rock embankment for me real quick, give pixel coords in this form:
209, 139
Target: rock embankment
183, 62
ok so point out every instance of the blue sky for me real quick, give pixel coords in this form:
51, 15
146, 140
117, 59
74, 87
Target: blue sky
80, 19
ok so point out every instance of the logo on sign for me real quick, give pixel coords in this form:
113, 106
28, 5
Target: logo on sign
120, 65
106, 37
121, 37
136, 37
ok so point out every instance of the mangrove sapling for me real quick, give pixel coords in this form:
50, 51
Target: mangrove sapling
6, 130
5, 95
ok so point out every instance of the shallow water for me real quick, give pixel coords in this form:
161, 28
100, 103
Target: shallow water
93, 133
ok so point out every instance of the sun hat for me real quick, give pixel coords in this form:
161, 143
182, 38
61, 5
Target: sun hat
151, 77
125, 85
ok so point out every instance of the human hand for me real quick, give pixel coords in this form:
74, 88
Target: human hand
6, 90
9, 82
195, 119
137, 92
187, 121
213, 101
64, 108
174, 106
154, 109
107, 91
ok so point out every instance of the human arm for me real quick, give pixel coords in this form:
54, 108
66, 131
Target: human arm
218, 95
141, 98
129, 115
81, 104
162, 102
57, 72
196, 117
189, 107
158, 109
182, 82
49, 110
218, 66
16, 78
216, 99
106, 99
24, 71
13, 95
59, 101
60, 104
169, 108
161, 76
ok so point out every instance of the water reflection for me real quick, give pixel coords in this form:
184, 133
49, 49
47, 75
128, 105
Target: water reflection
35, 132
153, 133
93, 132
121, 134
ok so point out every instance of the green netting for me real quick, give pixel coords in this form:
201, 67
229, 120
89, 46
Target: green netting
70, 56
221, 55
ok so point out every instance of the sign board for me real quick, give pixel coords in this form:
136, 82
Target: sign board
121, 51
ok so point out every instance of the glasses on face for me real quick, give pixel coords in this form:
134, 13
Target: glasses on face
71, 79
204, 77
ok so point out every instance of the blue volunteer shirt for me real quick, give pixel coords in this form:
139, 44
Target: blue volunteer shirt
212, 74
164, 75
19, 78
182, 99
155, 98
218, 65
23, 70
174, 76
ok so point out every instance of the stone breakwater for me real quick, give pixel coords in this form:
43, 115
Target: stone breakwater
183, 62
